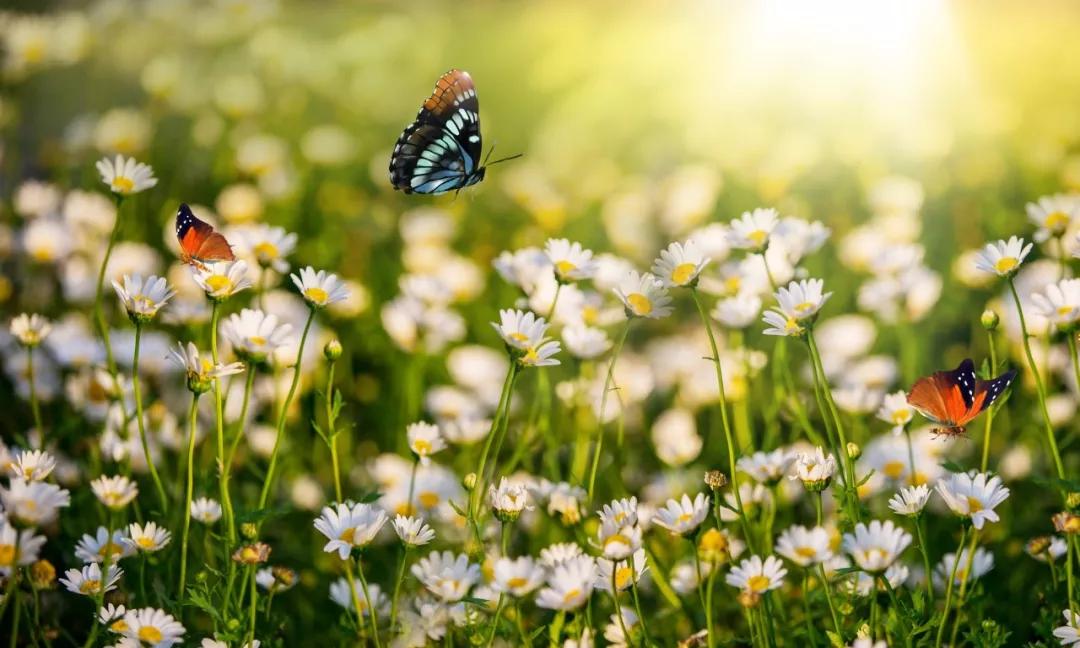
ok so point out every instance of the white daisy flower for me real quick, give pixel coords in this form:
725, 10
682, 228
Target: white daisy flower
570, 261
30, 329
269, 245
520, 330
910, 501
1003, 258
755, 576
979, 564
201, 371
33, 503
614, 630
115, 492
618, 541
814, 469
877, 546
340, 594
682, 516
585, 342
680, 264
222, 279
88, 580
509, 499
767, 467
626, 572
412, 531
643, 296
276, 579
737, 312
255, 335
142, 299
152, 627
895, 411
319, 288
801, 300
781, 324
517, 577
1053, 215
1069, 634
559, 553
125, 176
522, 268
95, 548
1059, 303
32, 465
541, 355
349, 526
751, 231
148, 537
804, 547
447, 576
973, 497
424, 440
17, 548
569, 586
620, 512
205, 510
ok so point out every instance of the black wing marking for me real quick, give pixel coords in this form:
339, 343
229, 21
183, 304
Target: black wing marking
964, 377
994, 388
186, 220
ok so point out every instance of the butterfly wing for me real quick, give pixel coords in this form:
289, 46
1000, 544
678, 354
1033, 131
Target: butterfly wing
988, 391
946, 397
440, 151
198, 240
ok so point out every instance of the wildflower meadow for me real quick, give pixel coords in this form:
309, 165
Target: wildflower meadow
759, 330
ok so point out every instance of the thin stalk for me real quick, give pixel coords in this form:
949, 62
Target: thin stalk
925, 558
949, 589
641, 617
397, 587
219, 419
226, 469
615, 600
965, 578
608, 385
828, 597
1070, 549
331, 434
142, 424
853, 498
192, 416
1040, 387
35, 408
500, 412
251, 611
284, 413
99, 314
370, 604
989, 421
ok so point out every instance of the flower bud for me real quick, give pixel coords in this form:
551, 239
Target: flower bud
715, 479
332, 350
249, 531
1066, 522
1072, 502
749, 599
1037, 546
853, 450
990, 320
42, 574
469, 481
714, 548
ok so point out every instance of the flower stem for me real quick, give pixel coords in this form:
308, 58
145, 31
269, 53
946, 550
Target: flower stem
949, 588
641, 617
34, 407
251, 611
925, 558
846, 462
615, 600
397, 587
989, 420
99, 314
226, 468
828, 597
331, 434
367, 598
192, 416
1051, 441
284, 413
501, 412
219, 417
142, 424
608, 385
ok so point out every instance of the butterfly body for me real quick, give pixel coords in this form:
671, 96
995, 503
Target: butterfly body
952, 399
440, 151
199, 243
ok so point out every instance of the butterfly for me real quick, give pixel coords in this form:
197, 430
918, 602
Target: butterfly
440, 151
198, 240
953, 398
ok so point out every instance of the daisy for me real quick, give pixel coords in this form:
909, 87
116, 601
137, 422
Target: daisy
153, 627
614, 630
1053, 215
1003, 258
33, 503
349, 526
269, 245
643, 296
814, 469
559, 553
621, 511
585, 342
17, 548
682, 517
88, 581
205, 510
781, 324
148, 537
319, 288
424, 441
522, 268
222, 279
737, 312
569, 586
254, 335
33, 465
570, 261
1060, 304
541, 355
508, 500
142, 299
910, 501
340, 593
125, 176
1069, 634
412, 531
276, 579
95, 548
115, 492
751, 231
1046, 548
517, 577
755, 576
201, 371
801, 300
804, 547
767, 467
30, 329
875, 547
619, 541
112, 616
896, 411
520, 330
680, 264
256, 553
626, 572
447, 576
973, 496
980, 564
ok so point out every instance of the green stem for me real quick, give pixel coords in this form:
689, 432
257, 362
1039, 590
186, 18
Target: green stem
608, 385
192, 416
372, 617
34, 406
219, 416
268, 482
925, 558
331, 434
964, 580
500, 412
99, 314
828, 597
989, 421
397, 587
949, 589
641, 616
845, 459
251, 611
142, 424
226, 469
1040, 387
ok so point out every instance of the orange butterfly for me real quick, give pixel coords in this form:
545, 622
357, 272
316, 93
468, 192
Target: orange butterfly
198, 240
953, 398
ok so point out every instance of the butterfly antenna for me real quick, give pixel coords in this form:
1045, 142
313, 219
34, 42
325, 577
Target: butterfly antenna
506, 159
490, 151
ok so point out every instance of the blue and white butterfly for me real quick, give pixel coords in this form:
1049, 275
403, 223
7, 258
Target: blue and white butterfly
440, 151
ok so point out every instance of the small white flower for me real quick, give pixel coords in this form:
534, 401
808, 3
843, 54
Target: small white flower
643, 296
979, 564
751, 231
149, 537
269, 245
803, 546
447, 576
755, 576
320, 288
1003, 258
767, 467
340, 594
254, 335
32, 465
624, 573
585, 342
520, 330
813, 468
1069, 634
910, 500
114, 492
412, 531
200, 371
570, 585
205, 510
680, 264
541, 355
509, 498
877, 546
424, 440
973, 496
222, 279
517, 577
737, 312
619, 541
683, 516
152, 627
17, 548
30, 330
570, 261
620, 512
88, 581
33, 503
781, 324
125, 176
95, 548
801, 300
142, 299
1059, 303
558, 553
348, 526
896, 411
1053, 215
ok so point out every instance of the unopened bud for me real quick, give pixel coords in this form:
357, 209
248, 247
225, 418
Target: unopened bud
332, 350
1038, 546
249, 531
853, 450
1066, 522
42, 574
1072, 502
469, 482
715, 479
990, 320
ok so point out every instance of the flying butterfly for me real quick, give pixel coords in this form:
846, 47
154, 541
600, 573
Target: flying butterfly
440, 151
952, 399
199, 242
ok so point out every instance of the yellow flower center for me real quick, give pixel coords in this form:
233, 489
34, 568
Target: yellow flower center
571, 595
118, 626
516, 582
531, 356
893, 469
1006, 264
43, 253
257, 340
316, 294
901, 416
616, 538
758, 236
150, 634
639, 303
622, 576
805, 552
122, 184
683, 273
564, 268
146, 542
7, 555
421, 447
266, 250
109, 548
218, 283
518, 336
757, 583
685, 517
405, 508
90, 586
1057, 221
142, 304
428, 499
732, 285
792, 326
804, 307
347, 535
974, 505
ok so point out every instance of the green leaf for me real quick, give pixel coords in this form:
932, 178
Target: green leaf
371, 497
